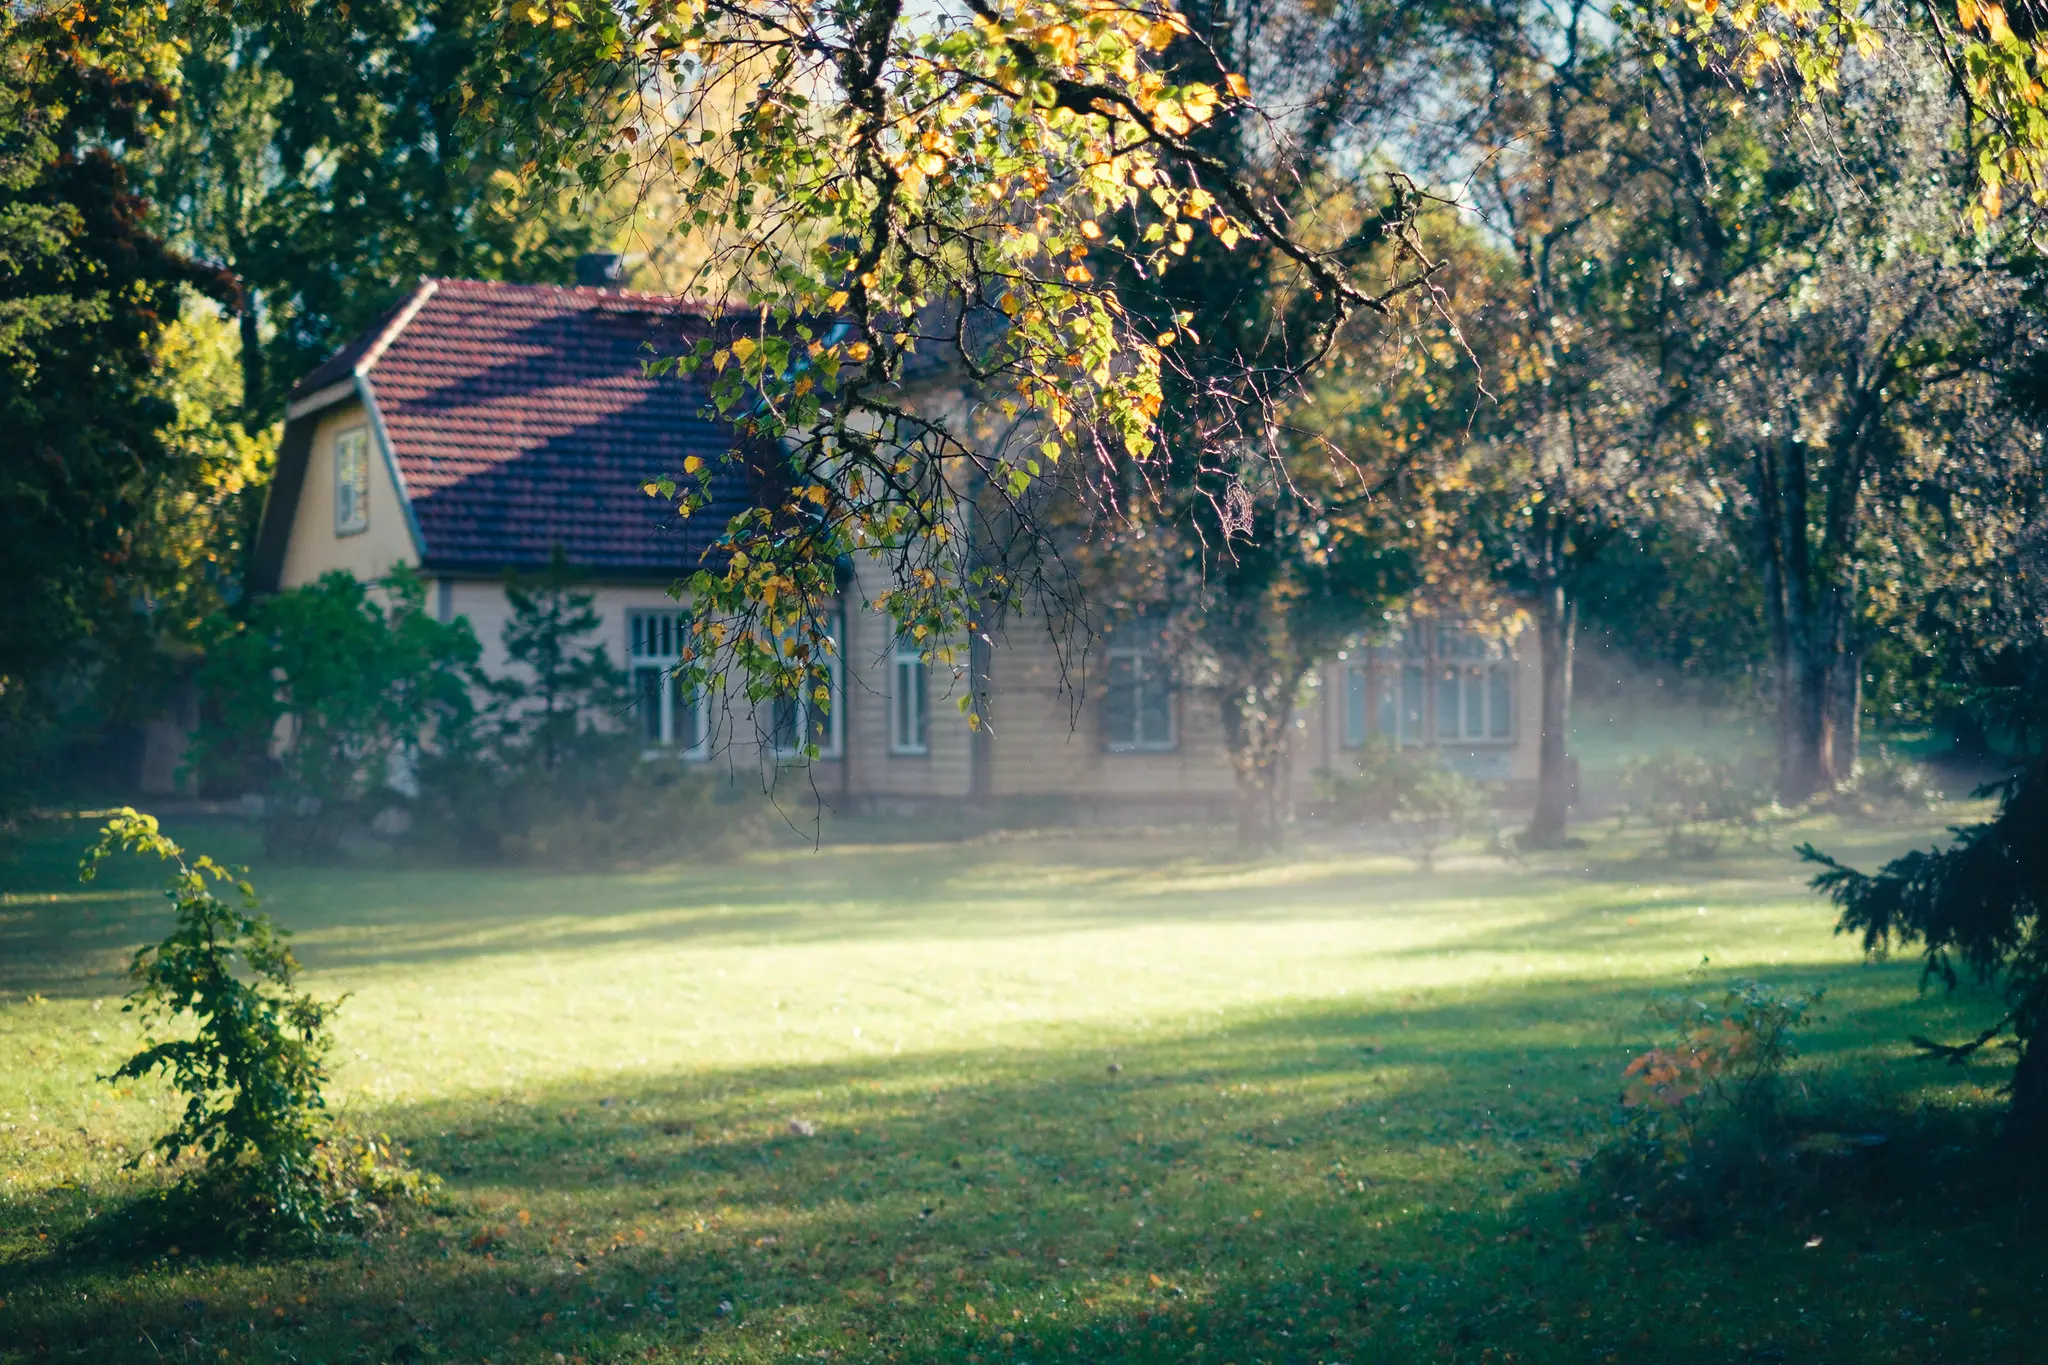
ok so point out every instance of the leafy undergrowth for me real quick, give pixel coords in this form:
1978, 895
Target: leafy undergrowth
1045, 1100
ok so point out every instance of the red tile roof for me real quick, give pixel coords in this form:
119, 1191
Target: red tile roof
522, 417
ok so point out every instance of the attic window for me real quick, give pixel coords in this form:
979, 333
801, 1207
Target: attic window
352, 481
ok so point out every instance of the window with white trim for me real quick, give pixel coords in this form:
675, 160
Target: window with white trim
1137, 708
352, 481
668, 716
1441, 684
910, 714
811, 714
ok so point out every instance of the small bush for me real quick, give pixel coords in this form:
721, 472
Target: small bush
1703, 1114
1887, 787
1430, 801
1440, 804
1695, 802
251, 1070
600, 805
1381, 773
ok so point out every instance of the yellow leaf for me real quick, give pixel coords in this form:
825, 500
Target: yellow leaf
1994, 21
1235, 84
1158, 36
743, 348
1091, 230
838, 299
1078, 274
816, 493
1966, 13
857, 351
691, 464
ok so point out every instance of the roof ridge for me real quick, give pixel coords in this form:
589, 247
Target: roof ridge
681, 302
375, 350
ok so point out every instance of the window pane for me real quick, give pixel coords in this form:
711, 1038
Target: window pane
785, 717
1447, 704
1120, 704
1475, 703
351, 481
1502, 701
1357, 684
1388, 721
921, 708
1155, 705
819, 711
648, 685
910, 705
689, 720
1412, 683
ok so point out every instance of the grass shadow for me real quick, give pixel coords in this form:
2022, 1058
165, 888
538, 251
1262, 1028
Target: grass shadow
1381, 1183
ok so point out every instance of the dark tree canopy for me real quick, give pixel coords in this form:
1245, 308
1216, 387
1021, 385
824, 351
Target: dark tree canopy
86, 289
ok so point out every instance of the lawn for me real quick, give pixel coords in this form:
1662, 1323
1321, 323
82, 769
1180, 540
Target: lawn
1036, 1099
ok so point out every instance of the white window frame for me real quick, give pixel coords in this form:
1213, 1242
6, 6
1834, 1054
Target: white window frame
1397, 679
835, 712
654, 644
352, 481
1136, 743
910, 700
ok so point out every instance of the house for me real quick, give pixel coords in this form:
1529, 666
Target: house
480, 425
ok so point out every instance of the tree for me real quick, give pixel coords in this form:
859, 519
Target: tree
1265, 524
1563, 467
1978, 904
1830, 348
570, 681
86, 292
323, 159
885, 192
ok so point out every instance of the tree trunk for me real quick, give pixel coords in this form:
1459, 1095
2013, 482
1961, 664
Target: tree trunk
1258, 720
1556, 631
2027, 1120
1802, 634
1845, 712
254, 379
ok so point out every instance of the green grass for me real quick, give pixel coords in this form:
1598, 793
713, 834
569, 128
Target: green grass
1035, 1099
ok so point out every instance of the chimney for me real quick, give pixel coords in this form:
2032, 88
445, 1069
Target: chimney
600, 270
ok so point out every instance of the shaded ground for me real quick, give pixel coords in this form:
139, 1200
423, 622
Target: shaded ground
1027, 1100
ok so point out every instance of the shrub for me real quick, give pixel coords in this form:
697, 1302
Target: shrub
1889, 786
548, 776
1693, 801
602, 804
1381, 773
325, 697
1728, 1054
1702, 1112
1438, 805
251, 1070
1429, 800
